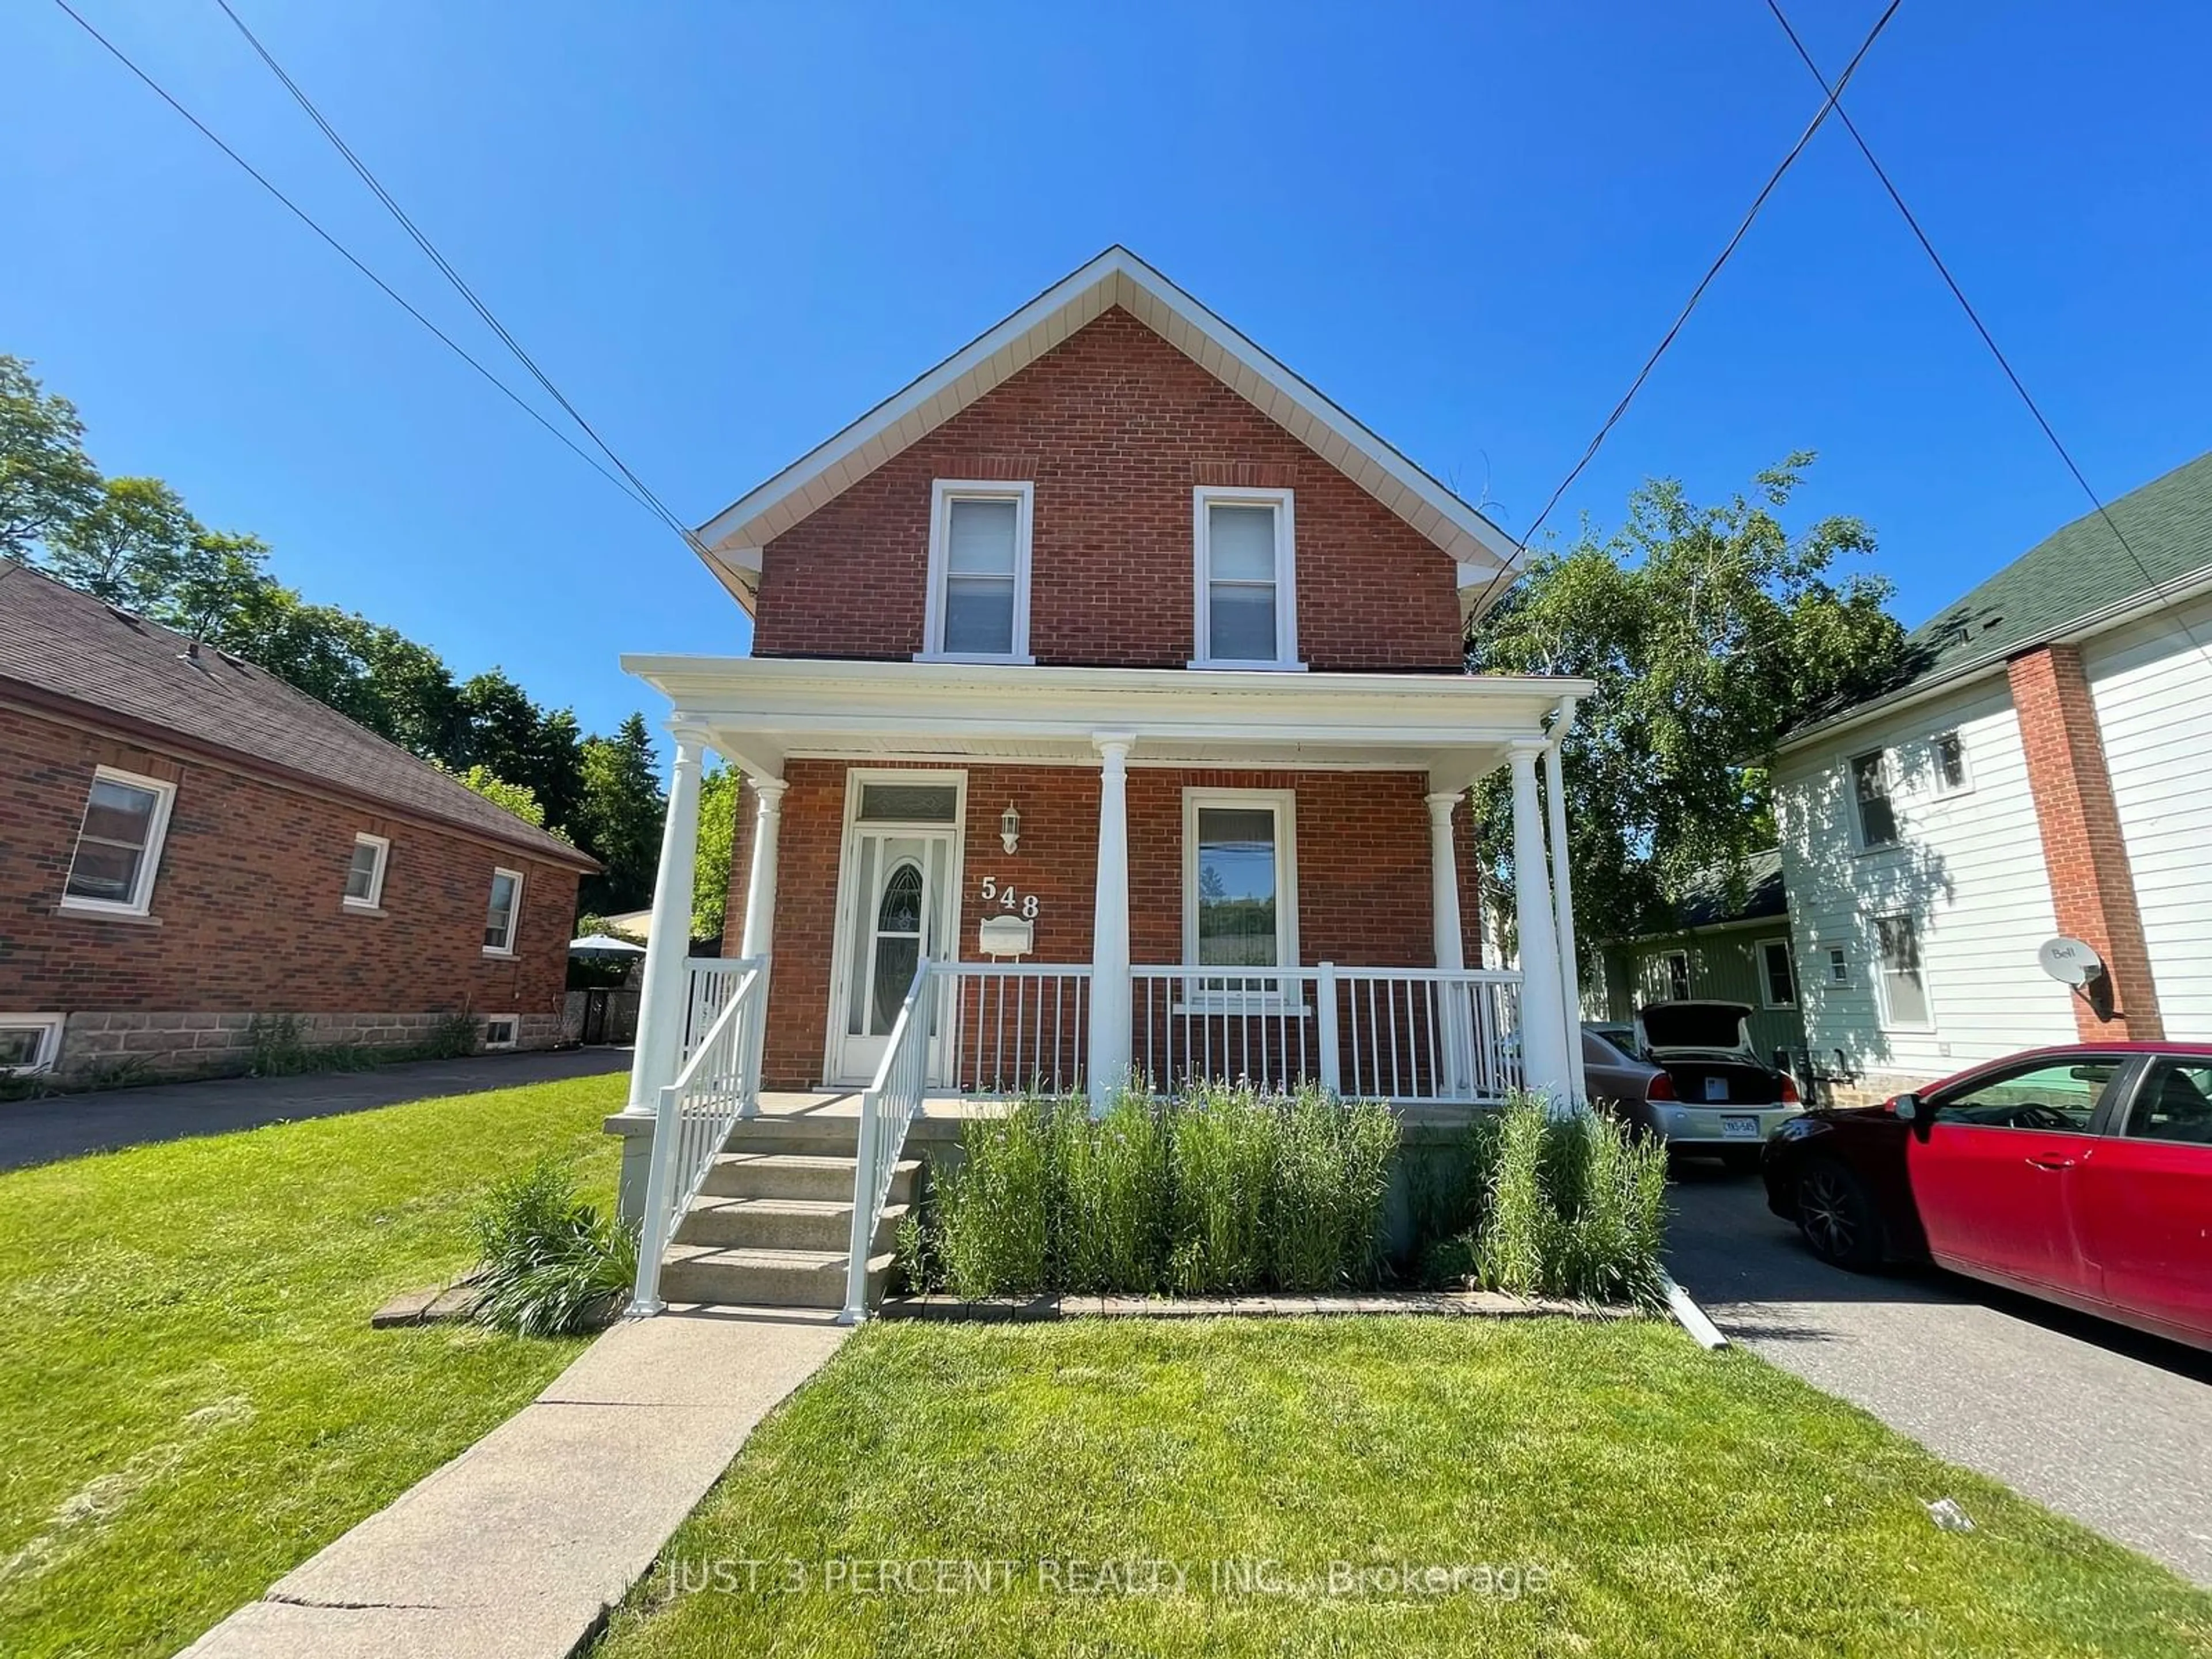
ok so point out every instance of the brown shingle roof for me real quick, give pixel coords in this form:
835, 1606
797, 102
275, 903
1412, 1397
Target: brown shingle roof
70, 645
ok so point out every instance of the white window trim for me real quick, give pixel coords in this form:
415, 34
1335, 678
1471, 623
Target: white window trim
513, 1024
1689, 975
513, 914
1766, 979
1203, 497
1966, 784
1879, 971
375, 900
157, 835
1832, 956
1859, 842
49, 1044
1285, 805
943, 492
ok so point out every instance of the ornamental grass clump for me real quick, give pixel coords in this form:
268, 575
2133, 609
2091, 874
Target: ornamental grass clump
554, 1264
1224, 1191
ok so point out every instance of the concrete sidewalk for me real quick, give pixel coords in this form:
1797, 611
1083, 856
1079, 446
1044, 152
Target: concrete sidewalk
518, 1547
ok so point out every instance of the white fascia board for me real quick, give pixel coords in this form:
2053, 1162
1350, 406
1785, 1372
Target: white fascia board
1114, 277
790, 699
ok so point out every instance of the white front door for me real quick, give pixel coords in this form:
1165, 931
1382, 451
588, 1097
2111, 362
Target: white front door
899, 908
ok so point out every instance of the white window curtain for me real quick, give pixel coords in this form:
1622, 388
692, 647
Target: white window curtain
1241, 576
981, 550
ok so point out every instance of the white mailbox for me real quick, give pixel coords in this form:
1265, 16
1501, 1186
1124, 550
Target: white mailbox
1005, 936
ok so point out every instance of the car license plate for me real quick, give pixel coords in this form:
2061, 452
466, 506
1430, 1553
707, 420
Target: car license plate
1739, 1126
1716, 1088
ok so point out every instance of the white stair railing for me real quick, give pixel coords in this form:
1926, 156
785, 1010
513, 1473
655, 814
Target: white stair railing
888, 1107
710, 981
719, 1084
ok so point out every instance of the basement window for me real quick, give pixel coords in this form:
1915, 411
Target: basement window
502, 1031
978, 608
29, 1043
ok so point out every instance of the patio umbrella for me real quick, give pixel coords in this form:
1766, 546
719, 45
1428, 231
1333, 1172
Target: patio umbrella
602, 947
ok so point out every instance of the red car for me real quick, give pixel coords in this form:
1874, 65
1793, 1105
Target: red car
2081, 1175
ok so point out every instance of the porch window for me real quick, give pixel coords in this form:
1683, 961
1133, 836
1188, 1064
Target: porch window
1240, 883
501, 914
1247, 590
119, 844
979, 573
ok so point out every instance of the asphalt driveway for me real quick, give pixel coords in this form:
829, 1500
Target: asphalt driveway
65, 1126
2098, 1423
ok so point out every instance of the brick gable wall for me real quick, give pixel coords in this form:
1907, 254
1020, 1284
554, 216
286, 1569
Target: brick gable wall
2091, 886
1115, 427
247, 913
1362, 868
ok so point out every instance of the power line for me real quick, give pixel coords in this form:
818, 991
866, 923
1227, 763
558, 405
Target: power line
445, 267
347, 255
1699, 292
1974, 316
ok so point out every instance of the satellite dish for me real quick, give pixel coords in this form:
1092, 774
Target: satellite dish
2070, 960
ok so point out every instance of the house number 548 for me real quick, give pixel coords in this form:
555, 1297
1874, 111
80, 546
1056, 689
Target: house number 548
1008, 899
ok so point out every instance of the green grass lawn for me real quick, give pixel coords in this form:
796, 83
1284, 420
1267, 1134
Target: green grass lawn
191, 1401
1676, 1502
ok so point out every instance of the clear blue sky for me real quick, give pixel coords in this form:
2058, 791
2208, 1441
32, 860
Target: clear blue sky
727, 230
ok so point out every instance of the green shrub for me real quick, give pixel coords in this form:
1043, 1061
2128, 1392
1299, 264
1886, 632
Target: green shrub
1225, 1191
553, 1264
1571, 1206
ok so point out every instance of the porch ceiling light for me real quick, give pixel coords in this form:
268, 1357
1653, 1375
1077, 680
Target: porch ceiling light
1010, 827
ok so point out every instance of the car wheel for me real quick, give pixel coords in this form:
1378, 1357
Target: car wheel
1838, 1217
1740, 1160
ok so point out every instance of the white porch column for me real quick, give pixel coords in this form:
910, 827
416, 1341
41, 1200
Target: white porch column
1543, 1022
1450, 946
661, 1001
1110, 923
760, 876
1444, 881
1563, 897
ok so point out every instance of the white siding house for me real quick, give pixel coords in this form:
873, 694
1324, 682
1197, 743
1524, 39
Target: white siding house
2152, 686
2042, 768
1966, 867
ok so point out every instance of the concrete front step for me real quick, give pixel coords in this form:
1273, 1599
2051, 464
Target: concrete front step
781, 1224
798, 1174
777, 1279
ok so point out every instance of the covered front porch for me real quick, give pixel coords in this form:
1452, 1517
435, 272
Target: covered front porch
960, 882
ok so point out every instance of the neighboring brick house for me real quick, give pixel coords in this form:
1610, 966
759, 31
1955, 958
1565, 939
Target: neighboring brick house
1115, 670
187, 843
2039, 773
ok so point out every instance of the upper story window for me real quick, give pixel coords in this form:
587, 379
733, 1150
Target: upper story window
1877, 817
118, 845
1247, 599
979, 573
502, 913
364, 887
1949, 756
1778, 977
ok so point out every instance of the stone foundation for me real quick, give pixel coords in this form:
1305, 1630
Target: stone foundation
107, 1050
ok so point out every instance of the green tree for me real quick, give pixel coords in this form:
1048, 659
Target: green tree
1710, 631
215, 575
619, 817
130, 547
514, 797
46, 480
719, 793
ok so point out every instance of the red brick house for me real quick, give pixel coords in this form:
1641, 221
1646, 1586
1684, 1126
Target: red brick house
187, 843
1106, 717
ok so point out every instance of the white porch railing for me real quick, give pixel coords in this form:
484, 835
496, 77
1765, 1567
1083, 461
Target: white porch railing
711, 981
1411, 1035
888, 1107
1014, 1028
718, 1084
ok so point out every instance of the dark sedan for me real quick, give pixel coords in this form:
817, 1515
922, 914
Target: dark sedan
2081, 1175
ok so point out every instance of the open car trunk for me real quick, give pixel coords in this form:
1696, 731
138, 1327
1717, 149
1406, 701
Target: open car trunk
1705, 1051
